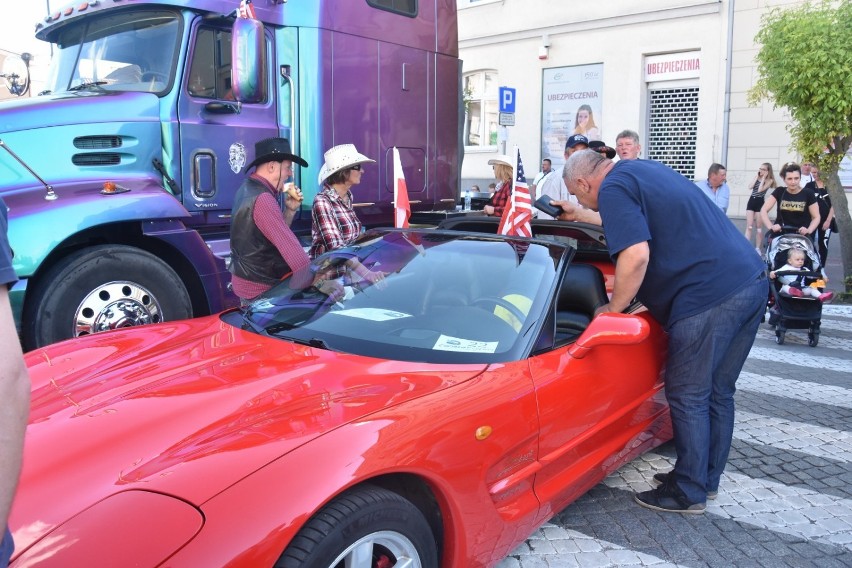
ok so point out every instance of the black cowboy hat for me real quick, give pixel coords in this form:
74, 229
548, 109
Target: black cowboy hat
274, 150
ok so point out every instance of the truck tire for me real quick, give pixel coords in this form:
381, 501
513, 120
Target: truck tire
101, 288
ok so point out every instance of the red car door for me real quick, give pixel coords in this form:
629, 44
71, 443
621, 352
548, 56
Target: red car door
599, 406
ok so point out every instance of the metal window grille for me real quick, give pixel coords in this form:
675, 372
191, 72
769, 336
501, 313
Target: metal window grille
673, 128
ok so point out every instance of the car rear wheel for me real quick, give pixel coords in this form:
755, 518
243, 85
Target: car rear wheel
101, 288
367, 527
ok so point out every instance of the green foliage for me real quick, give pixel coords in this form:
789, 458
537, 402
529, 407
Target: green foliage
805, 65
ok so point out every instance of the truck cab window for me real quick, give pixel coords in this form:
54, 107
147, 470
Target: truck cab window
210, 71
404, 7
118, 52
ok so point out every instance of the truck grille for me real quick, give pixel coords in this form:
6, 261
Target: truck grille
97, 142
96, 159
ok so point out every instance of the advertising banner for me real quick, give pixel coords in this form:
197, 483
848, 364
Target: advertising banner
571, 104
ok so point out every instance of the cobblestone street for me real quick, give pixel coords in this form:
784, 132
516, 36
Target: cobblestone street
785, 498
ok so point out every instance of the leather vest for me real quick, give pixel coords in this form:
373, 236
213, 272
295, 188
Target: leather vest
253, 256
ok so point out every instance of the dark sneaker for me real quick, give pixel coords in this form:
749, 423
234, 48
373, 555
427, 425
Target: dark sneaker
669, 499
664, 477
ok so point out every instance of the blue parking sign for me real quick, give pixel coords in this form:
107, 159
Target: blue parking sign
507, 99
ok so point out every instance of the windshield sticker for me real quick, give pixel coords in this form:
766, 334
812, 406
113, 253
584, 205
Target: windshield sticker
447, 343
372, 314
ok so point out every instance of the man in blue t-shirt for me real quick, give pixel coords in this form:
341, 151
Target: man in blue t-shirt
14, 392
680, 256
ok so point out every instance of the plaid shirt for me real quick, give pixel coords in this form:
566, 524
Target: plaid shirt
269, 219
500, 198
334, 223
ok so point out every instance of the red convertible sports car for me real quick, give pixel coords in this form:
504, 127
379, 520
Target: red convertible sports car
433, 418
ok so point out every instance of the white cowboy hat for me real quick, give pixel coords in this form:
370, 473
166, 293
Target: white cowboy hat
501, 159
339, 158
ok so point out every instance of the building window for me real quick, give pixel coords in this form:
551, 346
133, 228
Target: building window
673, 128
404, 7
480, 109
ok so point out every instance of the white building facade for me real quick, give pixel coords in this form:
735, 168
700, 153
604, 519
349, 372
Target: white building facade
676, 72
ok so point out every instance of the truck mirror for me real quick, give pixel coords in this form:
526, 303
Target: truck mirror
16, 74
248, 61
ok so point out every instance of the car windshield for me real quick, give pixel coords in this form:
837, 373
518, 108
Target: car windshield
442, 297
125, 51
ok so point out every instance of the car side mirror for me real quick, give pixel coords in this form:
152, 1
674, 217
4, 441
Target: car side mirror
610, 329
248, 61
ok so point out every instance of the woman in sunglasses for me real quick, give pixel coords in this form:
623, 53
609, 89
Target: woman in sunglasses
334, 223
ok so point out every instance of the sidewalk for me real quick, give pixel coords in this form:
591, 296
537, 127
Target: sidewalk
833, 268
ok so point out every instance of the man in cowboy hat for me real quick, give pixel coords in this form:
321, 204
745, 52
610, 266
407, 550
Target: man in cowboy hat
263, 248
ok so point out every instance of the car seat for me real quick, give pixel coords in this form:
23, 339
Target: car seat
583, 290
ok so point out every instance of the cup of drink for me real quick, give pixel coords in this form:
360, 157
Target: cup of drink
292, 191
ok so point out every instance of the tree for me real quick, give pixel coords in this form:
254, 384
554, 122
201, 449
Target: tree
805, 65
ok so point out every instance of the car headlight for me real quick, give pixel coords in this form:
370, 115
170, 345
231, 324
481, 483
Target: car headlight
133, 528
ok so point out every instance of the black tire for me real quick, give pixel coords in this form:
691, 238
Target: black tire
370, 516
99, 288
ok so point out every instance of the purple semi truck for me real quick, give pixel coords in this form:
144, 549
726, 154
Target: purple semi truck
120, 177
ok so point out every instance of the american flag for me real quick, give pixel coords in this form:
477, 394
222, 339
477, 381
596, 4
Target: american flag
246, 10
518, 212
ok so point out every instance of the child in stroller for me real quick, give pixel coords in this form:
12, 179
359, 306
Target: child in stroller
795, 284
796, 294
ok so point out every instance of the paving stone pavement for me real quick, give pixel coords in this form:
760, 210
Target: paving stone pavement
785, 498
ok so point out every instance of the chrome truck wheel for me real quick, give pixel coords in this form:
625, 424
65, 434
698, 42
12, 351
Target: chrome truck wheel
101, 288
114, 305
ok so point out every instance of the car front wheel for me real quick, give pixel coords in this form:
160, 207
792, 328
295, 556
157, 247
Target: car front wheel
367, 527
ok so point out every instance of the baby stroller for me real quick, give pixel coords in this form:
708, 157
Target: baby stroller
786, 312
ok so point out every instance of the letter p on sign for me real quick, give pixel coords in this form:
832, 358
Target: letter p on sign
507, 99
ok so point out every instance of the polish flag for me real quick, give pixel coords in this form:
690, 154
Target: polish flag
518, 211
401, 207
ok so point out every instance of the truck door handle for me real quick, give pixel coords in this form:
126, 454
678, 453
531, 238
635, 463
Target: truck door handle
220, 107
362, 204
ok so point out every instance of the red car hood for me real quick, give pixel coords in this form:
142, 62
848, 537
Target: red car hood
188, 408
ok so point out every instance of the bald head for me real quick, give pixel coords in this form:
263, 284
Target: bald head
583, 173
581, 165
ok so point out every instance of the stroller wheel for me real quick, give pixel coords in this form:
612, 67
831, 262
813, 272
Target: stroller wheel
813, 339
779, 337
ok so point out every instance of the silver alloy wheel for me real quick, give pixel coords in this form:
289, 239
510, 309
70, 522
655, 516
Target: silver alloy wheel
360, 553
114, 305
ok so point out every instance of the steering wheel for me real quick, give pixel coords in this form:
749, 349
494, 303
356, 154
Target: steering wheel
153, 76
503, 303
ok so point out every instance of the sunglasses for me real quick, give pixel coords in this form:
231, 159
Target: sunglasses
356, 167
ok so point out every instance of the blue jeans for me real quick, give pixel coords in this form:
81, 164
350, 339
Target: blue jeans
707, 351
7, 547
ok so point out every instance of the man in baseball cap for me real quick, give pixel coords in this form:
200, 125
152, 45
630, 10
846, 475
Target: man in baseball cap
575, 143
552, 183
